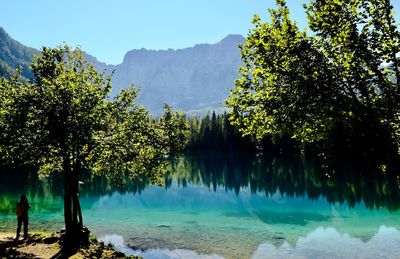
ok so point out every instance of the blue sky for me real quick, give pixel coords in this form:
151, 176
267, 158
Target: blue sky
108, 29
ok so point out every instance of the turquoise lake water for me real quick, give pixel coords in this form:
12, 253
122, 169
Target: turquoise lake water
227, 206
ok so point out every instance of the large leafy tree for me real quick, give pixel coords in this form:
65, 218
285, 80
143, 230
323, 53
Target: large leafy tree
64, 121
343, 70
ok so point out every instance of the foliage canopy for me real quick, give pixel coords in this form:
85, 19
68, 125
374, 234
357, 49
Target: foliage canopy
343, 72
64, 120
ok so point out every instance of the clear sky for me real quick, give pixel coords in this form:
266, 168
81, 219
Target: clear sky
108, 29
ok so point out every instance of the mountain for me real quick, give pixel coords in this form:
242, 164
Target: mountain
99, 66
191, 79
13, 55
195, 78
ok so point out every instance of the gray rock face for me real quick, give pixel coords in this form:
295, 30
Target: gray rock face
188, 79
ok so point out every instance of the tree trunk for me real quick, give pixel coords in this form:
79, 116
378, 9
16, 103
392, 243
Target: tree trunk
77, 214
67, 199
72, 211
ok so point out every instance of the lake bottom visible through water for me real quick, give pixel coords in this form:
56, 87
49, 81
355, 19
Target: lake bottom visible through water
215, 208
242, 226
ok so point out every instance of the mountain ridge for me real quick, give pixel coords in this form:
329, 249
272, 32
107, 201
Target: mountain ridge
14, 54
192, 78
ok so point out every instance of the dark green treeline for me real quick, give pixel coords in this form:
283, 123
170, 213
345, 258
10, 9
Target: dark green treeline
215, 133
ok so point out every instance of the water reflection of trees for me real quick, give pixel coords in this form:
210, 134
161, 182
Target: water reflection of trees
291, 176
14, 182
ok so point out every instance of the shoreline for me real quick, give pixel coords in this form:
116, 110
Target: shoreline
46, 245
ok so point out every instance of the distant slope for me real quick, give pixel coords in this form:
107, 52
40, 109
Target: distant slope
188, 79
13, 55
99, 66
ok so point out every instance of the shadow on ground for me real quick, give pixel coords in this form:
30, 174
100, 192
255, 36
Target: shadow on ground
9, 246
41, 246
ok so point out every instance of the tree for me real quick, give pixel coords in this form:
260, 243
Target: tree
64, 121
346, 74
176, 130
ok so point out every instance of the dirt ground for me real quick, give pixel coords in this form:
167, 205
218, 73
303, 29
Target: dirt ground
46, 245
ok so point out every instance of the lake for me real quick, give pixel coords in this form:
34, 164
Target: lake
227, 206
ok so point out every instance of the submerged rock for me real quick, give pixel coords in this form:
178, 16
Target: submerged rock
163, 226
278, 237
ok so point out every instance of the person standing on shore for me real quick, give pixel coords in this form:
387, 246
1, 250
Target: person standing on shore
22, 214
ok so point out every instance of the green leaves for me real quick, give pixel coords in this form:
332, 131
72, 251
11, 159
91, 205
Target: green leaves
280, 79
65, 115
347, 72
175, 130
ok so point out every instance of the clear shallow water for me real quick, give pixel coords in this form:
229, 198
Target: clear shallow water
233, 207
